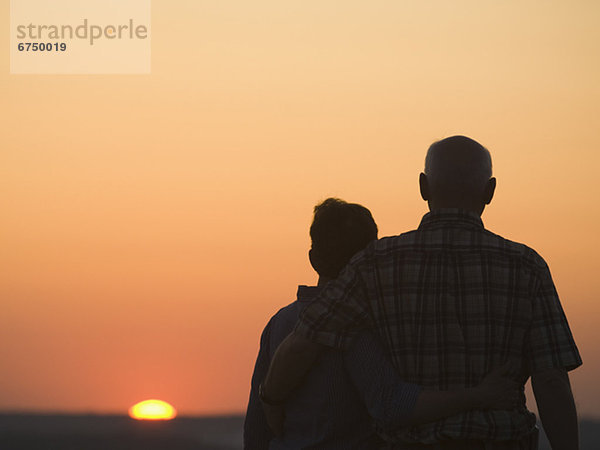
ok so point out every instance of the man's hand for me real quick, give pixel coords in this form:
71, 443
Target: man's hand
274, 411
499, 391
275, 415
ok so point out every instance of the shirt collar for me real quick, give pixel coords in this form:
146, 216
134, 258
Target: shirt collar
307, 293
451, 217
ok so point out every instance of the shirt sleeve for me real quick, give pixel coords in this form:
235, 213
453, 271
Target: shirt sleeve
550, 344
389, 400
257, 433
338, 312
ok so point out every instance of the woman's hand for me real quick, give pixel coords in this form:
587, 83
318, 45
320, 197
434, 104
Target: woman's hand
498, 390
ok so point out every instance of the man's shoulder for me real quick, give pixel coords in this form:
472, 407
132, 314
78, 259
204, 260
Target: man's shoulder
392, 243
516, 249
487, 241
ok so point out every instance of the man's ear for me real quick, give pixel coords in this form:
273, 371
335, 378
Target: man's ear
488, 192
424, 187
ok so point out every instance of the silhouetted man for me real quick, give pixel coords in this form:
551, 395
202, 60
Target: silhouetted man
339, 400
449, 301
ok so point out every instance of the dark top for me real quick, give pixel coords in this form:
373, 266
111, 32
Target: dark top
334, 406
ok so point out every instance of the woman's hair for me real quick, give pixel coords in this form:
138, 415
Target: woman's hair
339, 230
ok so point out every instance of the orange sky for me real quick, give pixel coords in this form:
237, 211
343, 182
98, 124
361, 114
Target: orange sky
151, 224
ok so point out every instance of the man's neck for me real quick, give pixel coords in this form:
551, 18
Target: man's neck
477, 209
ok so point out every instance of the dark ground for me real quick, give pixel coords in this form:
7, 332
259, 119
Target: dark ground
93, 432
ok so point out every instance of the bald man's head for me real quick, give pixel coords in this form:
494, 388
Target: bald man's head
458, 174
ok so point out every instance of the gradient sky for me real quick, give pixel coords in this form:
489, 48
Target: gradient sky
152, 224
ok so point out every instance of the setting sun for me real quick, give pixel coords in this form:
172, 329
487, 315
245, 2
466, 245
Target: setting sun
152, 410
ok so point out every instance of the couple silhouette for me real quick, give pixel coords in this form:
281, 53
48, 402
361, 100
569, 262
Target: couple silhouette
418, 341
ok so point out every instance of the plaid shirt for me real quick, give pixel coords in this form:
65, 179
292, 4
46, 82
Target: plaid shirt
450, 301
